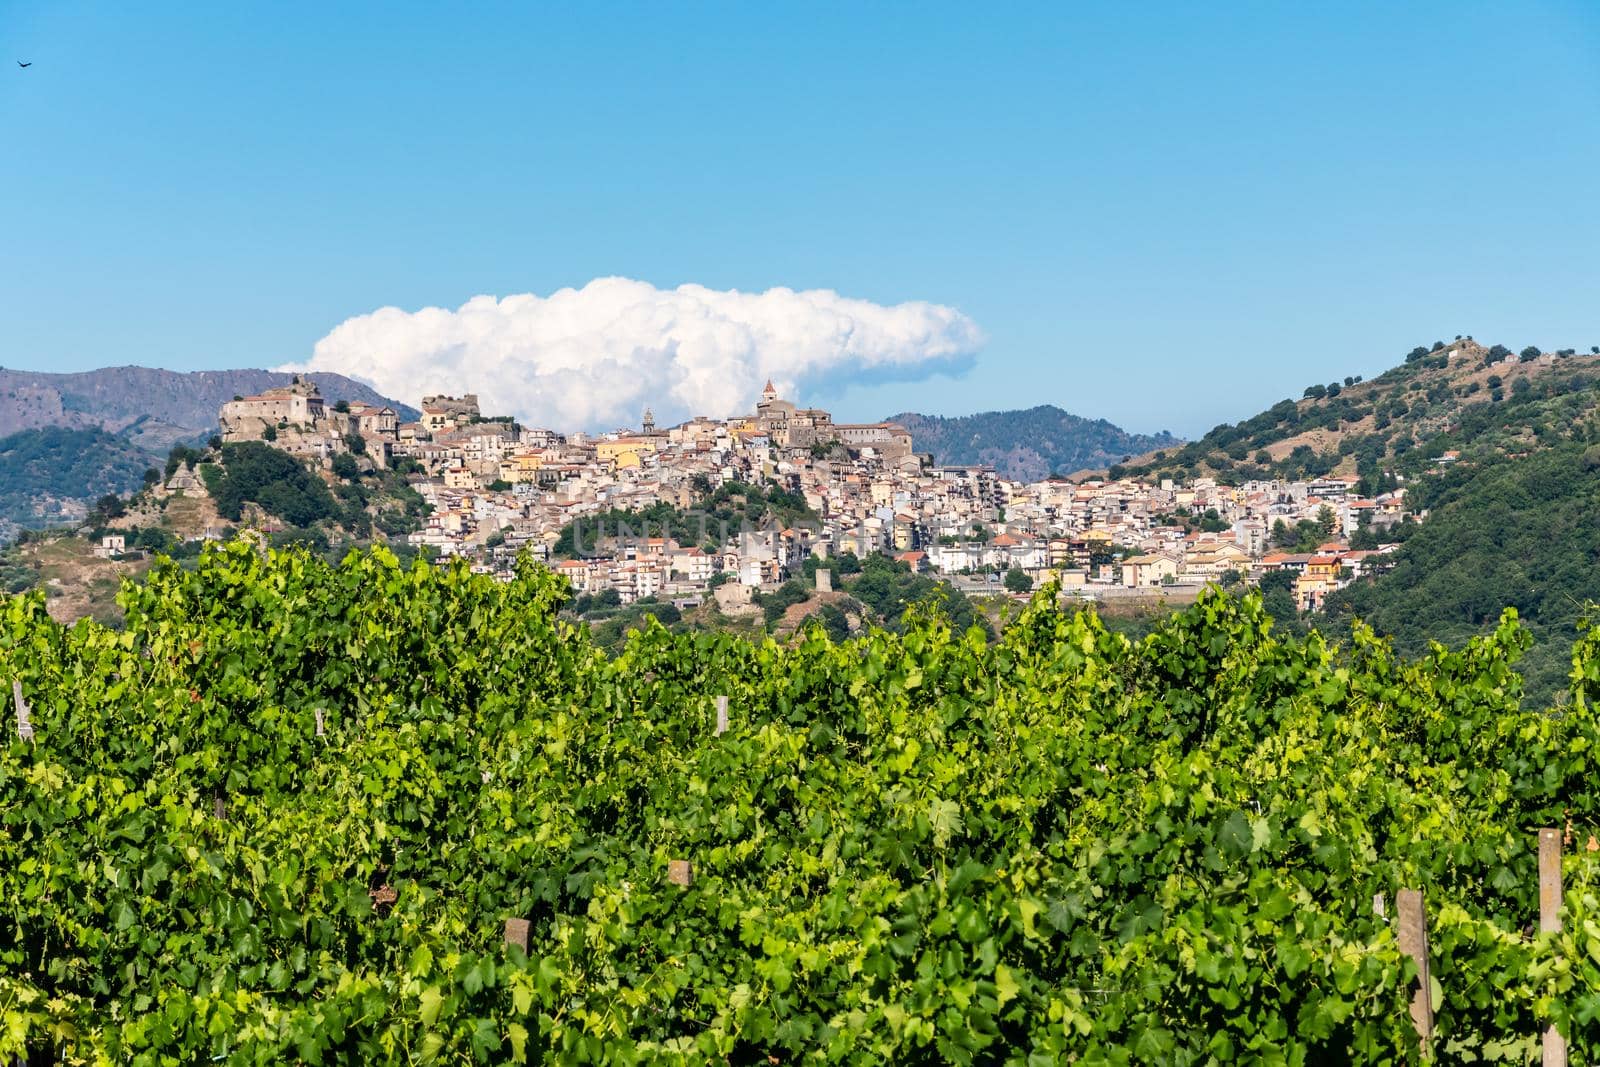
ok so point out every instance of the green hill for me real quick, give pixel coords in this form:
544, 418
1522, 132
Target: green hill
48, 474
1359, 427
1027, 445
1514, 533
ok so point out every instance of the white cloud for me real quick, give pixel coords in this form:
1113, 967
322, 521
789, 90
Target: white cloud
595, 357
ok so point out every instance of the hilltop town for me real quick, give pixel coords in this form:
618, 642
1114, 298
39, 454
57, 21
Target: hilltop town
581, 502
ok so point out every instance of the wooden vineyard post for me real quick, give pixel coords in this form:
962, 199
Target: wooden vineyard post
219, 807
321, 729
1414, 943
1555, 1046
517, 933
722, 716
680, 872
24, 713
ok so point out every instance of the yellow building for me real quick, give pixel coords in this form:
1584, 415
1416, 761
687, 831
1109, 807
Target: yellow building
1154, 569
624, 452
1320, 577
523, 465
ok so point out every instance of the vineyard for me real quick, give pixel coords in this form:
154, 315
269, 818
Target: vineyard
363, 813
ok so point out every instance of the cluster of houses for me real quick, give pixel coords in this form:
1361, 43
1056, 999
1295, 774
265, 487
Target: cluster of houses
495, 489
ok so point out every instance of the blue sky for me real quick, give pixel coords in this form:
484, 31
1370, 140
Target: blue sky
1166, 215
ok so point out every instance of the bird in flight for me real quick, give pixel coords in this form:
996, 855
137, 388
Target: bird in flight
20, 63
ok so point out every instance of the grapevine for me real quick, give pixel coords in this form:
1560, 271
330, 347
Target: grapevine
913, 847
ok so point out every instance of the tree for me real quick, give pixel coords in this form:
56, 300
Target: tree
1529, 354
255, 472
1316, 392
666, 614
346, 467
1333, 389
269, 434
1263, 457
1277, 595
342, 406
355, 443
835, 623
110, 506
153, 539
151, 477
1416, 354
499, 485
1326, 520
1494, 381
1018, 582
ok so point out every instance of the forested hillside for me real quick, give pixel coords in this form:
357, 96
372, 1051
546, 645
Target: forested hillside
1519, 533
371, 814
48, 475
1359, 427
1509, 522
719, 513
1027, 445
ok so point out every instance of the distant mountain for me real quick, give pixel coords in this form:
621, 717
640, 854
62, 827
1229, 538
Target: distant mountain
1028, 445
66, 439
148, 401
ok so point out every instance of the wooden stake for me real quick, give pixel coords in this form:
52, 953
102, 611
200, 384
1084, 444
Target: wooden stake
1555, 1046
722, 716
517, 933
680, 872
219, 807
321, 730
1380, 907
1414, 943
24, 713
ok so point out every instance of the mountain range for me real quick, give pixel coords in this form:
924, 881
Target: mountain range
1027, 445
